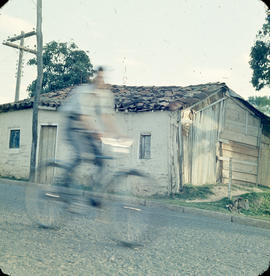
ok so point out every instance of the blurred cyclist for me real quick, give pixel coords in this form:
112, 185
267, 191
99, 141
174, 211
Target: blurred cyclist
89, 111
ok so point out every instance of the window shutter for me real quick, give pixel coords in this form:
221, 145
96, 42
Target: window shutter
145, 146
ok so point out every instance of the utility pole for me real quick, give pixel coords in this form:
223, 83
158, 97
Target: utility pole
37, 93
21, 47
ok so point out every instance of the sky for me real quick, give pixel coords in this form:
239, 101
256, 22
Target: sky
141, 42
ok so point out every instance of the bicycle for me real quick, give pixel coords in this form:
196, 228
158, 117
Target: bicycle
118, 197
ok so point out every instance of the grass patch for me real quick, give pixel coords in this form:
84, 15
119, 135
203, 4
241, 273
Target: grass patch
189, 193
259, 202
259, 205
219, 206
192, 192
264, 188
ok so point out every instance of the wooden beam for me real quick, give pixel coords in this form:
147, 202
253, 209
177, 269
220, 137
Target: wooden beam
210, 105
238, 161
239, 176
237, 182
242, 168
239, 137
245, 150
239, 156
20, 47
18, 37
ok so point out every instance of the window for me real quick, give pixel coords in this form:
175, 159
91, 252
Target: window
145, 146
14, 139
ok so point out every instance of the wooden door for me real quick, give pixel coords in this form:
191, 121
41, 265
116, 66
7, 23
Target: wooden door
47, 144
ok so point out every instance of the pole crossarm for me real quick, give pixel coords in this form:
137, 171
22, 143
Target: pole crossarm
20, 47
18, 37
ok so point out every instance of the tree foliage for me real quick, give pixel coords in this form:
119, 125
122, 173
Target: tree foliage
64, 65
260, 57
261, 103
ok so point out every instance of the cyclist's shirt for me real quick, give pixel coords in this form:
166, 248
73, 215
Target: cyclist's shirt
87, 100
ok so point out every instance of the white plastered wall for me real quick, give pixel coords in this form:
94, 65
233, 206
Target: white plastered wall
15, 162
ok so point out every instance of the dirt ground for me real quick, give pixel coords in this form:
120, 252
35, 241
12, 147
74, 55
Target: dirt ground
220, 191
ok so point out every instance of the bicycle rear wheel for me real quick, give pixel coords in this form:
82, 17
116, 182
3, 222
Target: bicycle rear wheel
44, 202
126, 210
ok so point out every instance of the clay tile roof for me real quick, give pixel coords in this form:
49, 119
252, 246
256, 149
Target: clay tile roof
144, 98
135, 98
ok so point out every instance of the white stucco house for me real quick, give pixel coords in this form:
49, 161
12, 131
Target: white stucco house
181, 134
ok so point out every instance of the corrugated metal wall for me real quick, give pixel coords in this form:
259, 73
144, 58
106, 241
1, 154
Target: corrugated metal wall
203, 139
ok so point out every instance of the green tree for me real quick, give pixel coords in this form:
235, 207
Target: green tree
261, 103
64, 65
260, 57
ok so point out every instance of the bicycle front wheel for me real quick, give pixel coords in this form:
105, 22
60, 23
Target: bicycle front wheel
129, 218
44, 202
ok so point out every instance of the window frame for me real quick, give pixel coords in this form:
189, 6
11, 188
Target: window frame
144, 146
10, 145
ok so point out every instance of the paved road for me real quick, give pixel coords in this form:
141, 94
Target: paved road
186, 245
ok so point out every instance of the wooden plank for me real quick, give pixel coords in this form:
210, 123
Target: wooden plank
236, 102
210, 105
47, 145
240, 176
238, 127
264, 171
238, 167
239, 156
253, 121
235, 113
265, 139
237, 182
252, 131
238, 137
222, 158
238, 148
239, 145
